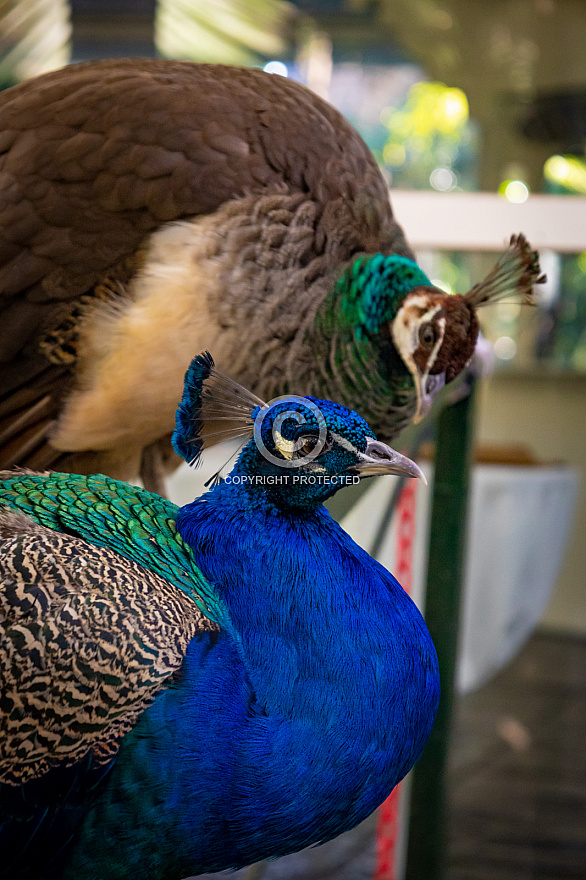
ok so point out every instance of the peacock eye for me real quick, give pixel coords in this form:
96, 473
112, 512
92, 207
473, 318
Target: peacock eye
427, 335
307, 443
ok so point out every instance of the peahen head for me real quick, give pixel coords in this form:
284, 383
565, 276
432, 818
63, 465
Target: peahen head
299, 450
385, 309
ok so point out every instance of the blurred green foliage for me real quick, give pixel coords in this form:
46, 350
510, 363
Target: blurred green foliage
432, 143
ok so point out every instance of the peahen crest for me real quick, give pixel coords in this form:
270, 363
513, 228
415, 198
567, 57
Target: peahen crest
514, 274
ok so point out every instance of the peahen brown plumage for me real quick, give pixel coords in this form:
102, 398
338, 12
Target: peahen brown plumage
151, 208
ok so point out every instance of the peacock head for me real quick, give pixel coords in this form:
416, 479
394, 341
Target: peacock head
388, 303
298, 451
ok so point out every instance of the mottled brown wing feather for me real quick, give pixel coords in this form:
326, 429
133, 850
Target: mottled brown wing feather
87, 640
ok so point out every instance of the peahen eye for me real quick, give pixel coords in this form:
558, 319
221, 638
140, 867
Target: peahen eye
427, 335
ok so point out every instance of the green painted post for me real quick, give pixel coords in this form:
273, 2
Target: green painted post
427, 820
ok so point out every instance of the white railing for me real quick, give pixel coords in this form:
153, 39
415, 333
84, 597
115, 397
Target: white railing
484, 221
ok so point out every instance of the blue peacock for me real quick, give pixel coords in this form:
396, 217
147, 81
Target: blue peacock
189, 690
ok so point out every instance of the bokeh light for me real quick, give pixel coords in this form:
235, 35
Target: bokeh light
505, 348
276, 67
566, 171
442, 285
515, 191
443, 178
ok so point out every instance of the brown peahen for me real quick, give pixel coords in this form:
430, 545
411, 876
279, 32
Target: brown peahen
152, 208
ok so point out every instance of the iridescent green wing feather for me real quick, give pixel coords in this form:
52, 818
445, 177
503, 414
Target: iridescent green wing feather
110, 513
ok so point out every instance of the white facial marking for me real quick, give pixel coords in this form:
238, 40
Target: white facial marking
345, 444
405, 332
441, 323
285, 447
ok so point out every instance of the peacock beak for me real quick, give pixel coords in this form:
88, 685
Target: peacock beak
378, 459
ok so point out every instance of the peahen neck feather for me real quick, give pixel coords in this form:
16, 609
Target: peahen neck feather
351, 342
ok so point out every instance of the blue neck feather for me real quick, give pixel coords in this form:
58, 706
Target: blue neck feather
292, 580
330, 642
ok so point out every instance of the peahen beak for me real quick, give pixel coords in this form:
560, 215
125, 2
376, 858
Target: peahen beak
379, 459
427, 387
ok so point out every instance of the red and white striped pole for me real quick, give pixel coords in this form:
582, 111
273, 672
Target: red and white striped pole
388, 831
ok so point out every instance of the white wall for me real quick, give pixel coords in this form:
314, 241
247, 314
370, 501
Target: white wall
548, 414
